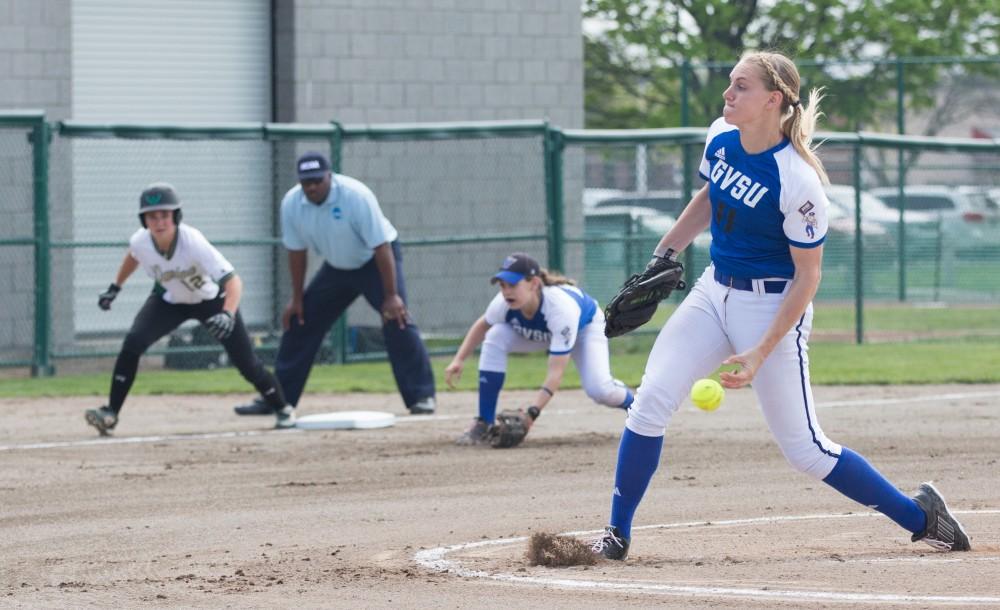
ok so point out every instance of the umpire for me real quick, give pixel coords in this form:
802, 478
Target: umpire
339, 218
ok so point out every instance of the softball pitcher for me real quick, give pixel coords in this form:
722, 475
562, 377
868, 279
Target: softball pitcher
765, 204
193, 280
536, 309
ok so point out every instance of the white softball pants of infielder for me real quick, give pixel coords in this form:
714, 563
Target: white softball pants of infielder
711, 324
590, 355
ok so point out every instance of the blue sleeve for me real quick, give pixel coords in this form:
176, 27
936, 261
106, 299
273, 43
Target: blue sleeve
368, 220
290, 236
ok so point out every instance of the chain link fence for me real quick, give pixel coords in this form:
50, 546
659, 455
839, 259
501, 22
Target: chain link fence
928, 241
461, 199
17, 245
592, 204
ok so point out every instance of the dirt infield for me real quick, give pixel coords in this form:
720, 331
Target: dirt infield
192, 506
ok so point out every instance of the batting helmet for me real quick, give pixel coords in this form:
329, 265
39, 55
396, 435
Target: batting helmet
159, 196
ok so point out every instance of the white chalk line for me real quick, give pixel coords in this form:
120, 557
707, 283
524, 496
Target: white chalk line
419, 419
874, 402
127, 440
434, 559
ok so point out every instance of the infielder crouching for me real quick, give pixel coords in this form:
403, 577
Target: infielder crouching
193, 280
534, 310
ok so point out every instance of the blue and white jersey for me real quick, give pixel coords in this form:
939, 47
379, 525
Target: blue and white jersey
761, 204
563, 312
345, 229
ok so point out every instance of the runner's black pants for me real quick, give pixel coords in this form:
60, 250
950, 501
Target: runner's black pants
157, 318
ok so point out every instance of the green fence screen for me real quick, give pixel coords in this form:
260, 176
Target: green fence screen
920, 236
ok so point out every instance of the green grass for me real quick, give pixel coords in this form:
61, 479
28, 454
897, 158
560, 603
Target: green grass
832, 364
888, 316
903, 318
970, 359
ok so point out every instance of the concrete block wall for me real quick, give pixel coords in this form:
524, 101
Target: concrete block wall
397, 61
365, 61
34, 74
35, 56
378, 61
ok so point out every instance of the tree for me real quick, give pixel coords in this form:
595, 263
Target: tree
634, 56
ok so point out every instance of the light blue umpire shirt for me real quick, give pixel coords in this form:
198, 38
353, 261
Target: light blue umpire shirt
345, 229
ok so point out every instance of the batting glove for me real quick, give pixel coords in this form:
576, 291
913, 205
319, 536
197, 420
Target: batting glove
104, 299
221, 325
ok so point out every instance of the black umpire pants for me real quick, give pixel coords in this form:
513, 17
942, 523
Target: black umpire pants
157, 318
329, 293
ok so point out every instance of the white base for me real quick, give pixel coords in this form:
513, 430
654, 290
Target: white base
346, 420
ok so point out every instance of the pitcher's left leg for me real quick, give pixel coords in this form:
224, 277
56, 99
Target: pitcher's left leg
783, 388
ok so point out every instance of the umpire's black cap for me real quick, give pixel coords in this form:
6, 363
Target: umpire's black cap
312, 165
516, 267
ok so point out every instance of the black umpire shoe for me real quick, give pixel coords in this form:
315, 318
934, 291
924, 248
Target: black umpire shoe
285, 418
611, 544
943, 531
424, 406
257, 407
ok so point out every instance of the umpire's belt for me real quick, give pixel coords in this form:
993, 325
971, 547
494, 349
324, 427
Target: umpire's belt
758, 286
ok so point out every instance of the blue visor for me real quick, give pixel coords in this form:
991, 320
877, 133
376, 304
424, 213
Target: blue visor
510, 277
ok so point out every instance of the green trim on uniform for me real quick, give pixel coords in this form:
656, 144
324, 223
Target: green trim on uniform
173, 245
222, 284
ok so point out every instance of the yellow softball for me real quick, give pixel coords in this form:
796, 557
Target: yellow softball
706, 394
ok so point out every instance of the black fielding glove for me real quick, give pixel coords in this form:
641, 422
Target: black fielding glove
638, 298
105, 298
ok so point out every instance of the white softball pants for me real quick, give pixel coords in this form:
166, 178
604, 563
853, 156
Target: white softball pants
713, 323
590, 354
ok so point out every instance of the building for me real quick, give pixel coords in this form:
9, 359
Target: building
237, 61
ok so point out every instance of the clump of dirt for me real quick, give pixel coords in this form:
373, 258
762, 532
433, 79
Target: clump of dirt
554, 551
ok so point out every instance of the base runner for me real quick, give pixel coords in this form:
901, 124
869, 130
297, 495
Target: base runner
193, 281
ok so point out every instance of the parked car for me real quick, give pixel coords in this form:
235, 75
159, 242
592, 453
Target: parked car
618, 241
594, 195
633, 220
665, 202
985, 203
873, 208
879, 222
993, 195
949, 202
626, 219
876, 217
878, 238
968, 221
671, 204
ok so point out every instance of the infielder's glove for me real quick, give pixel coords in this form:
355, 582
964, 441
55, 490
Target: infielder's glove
104, 299
221, 325
508, 430
638, 298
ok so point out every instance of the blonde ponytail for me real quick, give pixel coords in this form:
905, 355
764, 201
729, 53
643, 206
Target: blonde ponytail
554, 278
799, 120
799, 128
